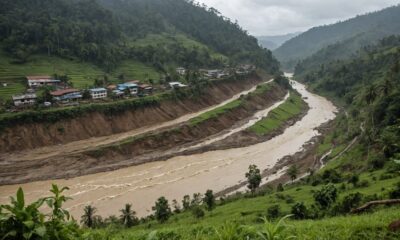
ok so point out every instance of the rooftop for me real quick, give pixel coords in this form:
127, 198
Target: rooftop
39, 77
64, 91
97, 89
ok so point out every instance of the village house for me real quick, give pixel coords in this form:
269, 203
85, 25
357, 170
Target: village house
112, 87
39, 81
133, 88
98, 93
181, 71
176, 85
145, 89
24, 100
69, 94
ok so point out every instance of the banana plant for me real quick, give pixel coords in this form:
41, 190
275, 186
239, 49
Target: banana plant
22, 222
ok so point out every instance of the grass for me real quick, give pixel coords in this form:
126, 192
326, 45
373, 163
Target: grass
82, 74
291, 108
227, 107
247, 211
216, 112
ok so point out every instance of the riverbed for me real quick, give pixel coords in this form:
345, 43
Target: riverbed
142, 185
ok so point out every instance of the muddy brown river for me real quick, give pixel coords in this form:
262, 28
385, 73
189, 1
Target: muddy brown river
142, 185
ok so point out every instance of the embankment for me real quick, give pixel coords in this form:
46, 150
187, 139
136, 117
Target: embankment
37, 129
143, 148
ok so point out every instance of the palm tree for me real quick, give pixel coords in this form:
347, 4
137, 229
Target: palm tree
292, 172
386, 86
88, 216
128, 217
370, 94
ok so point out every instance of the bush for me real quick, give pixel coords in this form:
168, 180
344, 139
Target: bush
395, 193
331, 176
273, 212
364, 183
326, 196
350, 201
198, 212
299, 211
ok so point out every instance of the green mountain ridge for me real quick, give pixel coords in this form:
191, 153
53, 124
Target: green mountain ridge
357, 32
106, 34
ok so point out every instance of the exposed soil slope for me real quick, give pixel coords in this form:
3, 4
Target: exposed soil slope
30, 136
133, 151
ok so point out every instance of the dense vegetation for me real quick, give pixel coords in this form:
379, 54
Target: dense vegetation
351, 35
105, 32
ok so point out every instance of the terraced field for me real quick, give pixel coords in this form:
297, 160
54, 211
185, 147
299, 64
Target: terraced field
82, 74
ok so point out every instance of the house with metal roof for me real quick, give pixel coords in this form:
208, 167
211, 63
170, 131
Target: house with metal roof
133, 88
69, 94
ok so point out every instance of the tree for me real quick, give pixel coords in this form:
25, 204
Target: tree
196, 200
253, 177
292, 172
186, 202
175, 205
326, 196
128, 216
88, 216
209, 200
280, 188
86, 94
162, 210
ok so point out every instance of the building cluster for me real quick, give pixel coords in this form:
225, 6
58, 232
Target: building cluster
220, 73
65, 94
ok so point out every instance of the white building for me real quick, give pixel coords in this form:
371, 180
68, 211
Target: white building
23, 100
175, 85
98, 93
38, 81
181, 70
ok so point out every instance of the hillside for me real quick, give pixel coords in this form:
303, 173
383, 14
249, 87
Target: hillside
354, 33
136, 38
273, 42
361, 166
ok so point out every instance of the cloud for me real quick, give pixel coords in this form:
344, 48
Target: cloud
272, 17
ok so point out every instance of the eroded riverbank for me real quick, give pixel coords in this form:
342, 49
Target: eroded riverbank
142, 185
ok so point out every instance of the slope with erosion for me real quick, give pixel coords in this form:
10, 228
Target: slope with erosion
360, 157
140, 148
186, 174
61, 126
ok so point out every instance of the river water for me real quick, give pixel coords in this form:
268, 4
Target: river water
142, 185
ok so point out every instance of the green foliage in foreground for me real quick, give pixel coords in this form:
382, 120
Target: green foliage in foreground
21, 221
276, 119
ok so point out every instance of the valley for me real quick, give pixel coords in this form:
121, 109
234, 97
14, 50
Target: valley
186, 174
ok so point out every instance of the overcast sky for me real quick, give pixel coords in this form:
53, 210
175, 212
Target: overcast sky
273, 17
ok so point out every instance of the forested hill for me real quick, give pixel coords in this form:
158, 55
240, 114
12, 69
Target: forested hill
353, 33
368, 87
106, 32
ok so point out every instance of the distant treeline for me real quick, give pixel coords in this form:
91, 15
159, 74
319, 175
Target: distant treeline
100, 31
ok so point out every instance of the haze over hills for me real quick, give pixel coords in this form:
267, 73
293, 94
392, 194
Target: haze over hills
356, 32
273, 42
